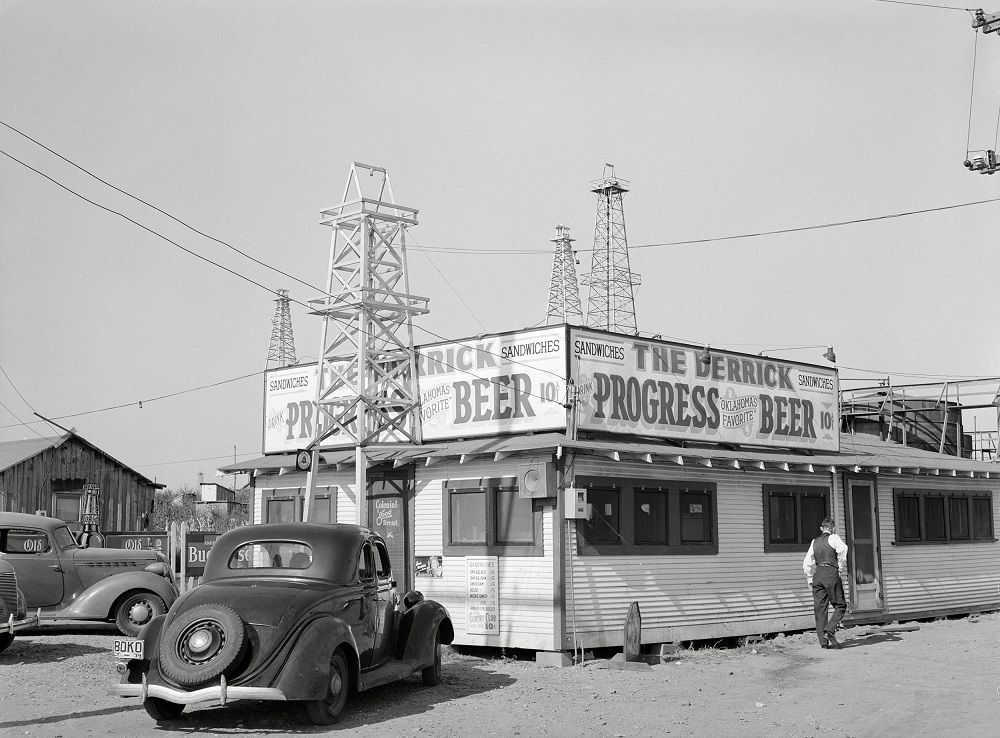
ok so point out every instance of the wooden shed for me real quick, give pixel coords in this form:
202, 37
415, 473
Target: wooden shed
48, 476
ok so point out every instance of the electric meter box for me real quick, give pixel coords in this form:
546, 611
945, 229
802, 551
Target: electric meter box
576, 503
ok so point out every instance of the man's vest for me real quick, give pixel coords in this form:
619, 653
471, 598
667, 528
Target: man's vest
823, 552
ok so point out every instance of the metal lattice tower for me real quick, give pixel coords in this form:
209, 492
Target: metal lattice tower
366, 390
564, 293
282, 348
611, 302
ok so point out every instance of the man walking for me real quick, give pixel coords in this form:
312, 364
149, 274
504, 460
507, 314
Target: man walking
825, 562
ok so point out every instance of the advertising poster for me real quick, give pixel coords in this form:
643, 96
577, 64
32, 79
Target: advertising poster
660, 389
483, 597
290, 408
497, 384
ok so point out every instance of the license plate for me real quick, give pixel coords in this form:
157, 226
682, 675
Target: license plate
127, 648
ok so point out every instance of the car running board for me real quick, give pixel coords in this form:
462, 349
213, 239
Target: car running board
390, 671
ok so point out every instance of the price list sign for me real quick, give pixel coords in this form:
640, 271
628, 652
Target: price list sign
483, 598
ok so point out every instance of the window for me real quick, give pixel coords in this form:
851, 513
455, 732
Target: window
488, 516
792, 515
366, 564
935, 516
643, 516
285, 505
23, 540
271, 555
384, 569
67, 506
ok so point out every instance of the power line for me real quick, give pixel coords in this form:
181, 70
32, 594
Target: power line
924, 5
425, 330
230, 271
157, 209
752, 234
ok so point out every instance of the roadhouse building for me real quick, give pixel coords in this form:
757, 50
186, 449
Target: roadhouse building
565, 473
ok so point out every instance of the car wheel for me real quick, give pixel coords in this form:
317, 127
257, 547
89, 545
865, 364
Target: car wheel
327, 711
201, 643
136, 610
161, 710
432, 674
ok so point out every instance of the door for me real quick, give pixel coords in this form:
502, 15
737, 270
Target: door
385, 606
35, 558
390, 494
864, 561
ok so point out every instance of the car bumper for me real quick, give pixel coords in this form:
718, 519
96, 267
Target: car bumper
12, 626
220, 692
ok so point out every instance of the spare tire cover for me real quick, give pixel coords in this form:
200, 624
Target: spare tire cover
201, 644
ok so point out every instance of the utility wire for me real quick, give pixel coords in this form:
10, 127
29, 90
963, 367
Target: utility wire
753, 234
924, 5
254, 282
429, 332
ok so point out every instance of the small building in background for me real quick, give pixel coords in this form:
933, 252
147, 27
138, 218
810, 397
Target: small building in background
49, 476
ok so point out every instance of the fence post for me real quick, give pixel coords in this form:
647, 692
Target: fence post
183, 541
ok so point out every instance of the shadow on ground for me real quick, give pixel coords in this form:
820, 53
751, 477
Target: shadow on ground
28, 650
390, 702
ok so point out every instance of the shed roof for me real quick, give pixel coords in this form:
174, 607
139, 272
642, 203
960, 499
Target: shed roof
858, 453
14, 452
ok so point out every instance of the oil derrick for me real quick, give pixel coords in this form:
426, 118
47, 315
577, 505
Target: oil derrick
611, 301
564, 294
282, 348
366, 385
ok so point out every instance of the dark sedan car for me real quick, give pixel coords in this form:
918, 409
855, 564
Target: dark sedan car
67, 582
288, 611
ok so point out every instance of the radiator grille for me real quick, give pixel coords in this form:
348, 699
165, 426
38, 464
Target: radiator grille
8, 591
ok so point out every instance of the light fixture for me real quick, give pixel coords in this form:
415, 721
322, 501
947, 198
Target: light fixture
829, 355
705, 357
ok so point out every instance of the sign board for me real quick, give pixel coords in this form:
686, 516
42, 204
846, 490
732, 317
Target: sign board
637, 386
137, 541
497, 384
482, 613
386, 517
91, 518
196, 548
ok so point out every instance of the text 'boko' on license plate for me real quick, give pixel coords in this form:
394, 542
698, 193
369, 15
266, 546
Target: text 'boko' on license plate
127, 648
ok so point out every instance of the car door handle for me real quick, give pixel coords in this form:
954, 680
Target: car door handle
55, 567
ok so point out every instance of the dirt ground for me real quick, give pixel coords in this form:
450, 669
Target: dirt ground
940, 680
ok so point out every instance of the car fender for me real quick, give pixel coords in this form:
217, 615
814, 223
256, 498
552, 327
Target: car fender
97, 602
305, 674
417, 626
150, 637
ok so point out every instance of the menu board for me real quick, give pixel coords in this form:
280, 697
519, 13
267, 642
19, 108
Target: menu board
483, 597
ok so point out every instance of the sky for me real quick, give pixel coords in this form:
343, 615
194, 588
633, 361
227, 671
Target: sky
242, 119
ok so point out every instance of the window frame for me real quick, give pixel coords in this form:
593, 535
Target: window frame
797, 492
492, 546
920, 496
297, 496
628, 502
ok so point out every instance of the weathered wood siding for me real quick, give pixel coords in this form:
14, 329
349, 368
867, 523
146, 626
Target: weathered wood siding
27, 487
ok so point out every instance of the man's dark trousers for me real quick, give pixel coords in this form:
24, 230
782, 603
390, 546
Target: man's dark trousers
827, 590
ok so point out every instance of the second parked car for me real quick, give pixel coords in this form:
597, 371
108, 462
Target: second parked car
68, 582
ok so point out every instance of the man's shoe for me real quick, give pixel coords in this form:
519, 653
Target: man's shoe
831, 641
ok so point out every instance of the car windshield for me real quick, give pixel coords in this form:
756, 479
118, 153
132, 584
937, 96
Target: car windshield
271, 555
64, 537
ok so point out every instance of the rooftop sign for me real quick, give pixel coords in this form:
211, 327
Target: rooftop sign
641, 387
